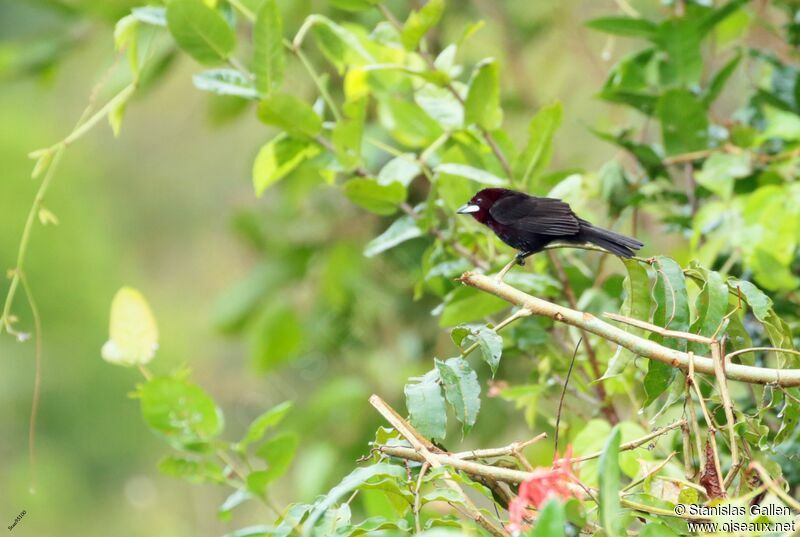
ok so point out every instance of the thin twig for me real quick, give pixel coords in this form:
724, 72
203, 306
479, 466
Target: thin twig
37, 378
57, 150
759, 349
638, 345
454, 244
561, 399
694, 426
423, 448
774, 487
712, 429
506, 475
569, 294
650, 473
498, 452
657, 329
417, 499
722, 387
633, 444
522, 312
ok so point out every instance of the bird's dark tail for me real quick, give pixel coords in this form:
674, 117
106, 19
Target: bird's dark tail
613, 242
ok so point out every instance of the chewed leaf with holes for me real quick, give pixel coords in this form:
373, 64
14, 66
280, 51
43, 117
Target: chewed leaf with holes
133, 334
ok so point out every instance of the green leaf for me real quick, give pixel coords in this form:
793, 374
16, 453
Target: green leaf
278, 158
551, 521
257, 531
403, 229
440, 104
376, 526
425, 405
290, 113
658, 378
462, 170
760, 304
721, 170
402, 169
354, 5
263, 423
716, 16
631, 82
711, 306
482, 105
466, 305
269, 58
408, 123
647, 157
672, 311
225, 82
278, 453
117, 114
654, 529
672, 299
537, 153
684, 124
340, 46
419, 22
126, 35
192, 470
609, 472
356, 479
489, 342
153, 15
234, 500
592, 437
462, 389
719, 80
624, 26
179, 410
637, 305
200, 31
375, 197
682, 61
278, 336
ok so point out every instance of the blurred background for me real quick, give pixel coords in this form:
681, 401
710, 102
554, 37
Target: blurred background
264, 299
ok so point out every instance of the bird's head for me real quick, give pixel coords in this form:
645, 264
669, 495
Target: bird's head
481, 202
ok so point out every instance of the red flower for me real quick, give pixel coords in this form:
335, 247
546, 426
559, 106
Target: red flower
545, 483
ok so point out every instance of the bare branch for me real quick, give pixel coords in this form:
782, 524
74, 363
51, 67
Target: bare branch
499, 452
507, 475
423, 448
657, 329
600, 390
641, 346
633, 444
722, 386
711, 442
774, 487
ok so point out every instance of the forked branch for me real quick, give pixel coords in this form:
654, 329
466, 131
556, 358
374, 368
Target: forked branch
638, 345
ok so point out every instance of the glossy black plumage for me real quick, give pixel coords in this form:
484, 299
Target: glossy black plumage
529, 223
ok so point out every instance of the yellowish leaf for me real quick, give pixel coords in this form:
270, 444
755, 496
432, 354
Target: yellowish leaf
133, 334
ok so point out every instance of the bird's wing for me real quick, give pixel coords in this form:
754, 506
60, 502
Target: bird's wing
545, 216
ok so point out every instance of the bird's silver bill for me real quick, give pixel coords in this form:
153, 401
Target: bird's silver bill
466, 209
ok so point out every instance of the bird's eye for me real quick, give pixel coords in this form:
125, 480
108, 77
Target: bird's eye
479, 200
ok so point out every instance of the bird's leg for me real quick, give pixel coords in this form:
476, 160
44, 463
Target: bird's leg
519, 259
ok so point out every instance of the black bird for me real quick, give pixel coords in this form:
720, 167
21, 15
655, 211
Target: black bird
528, 223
